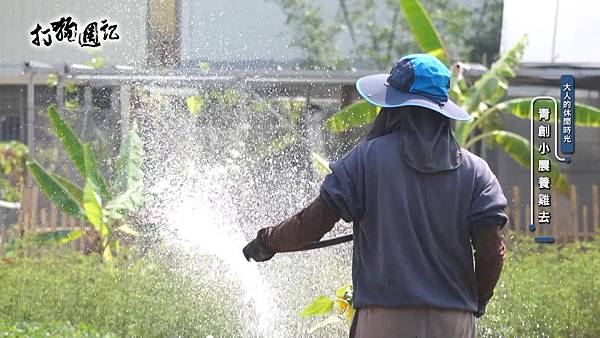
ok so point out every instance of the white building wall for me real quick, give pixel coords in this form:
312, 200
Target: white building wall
559, 31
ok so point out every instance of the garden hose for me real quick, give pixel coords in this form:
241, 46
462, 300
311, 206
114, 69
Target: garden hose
327, 242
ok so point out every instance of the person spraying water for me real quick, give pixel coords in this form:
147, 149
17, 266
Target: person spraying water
420, 205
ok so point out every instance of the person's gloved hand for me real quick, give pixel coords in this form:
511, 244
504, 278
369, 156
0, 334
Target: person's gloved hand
480, 309
257, 250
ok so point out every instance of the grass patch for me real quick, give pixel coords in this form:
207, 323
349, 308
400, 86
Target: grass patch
144, 297
546, 291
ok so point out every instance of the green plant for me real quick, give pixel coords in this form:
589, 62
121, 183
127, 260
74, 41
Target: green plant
13, 155
544, 291
52, 329
339, 307
150, 296
104, 206
481, 99
374, 33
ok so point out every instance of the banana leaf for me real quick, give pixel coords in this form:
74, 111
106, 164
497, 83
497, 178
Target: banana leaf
355, 115
423, 30
492, 85
129, 166
67, 137
585, 115
55, 191
74, 190
76, 150
321, 163
518, 148
59, 236
93, 173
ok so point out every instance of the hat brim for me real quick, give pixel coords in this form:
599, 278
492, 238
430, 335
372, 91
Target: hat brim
374, 88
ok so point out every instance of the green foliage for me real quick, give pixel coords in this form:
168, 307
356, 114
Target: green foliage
13, 155
94, 202
518, 148
481, 100
321, 163
316, 35
59, 236
587, 116
339, 307
130, 177
379, 32
544, 291
69, 140
493, 84
52, 329
321, 305
146, 297
56, 193
92, 173
423, 30
355, 115
194, 104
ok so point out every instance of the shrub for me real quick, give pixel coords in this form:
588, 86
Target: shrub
145, 297
39, 330
546, 291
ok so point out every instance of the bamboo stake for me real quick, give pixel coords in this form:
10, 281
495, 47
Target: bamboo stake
43, 219
80, 244
595, 209
53, 217
26, 220
33, 208
565, 222
573, 193
517, 209
584, 211
25, 192
72, 222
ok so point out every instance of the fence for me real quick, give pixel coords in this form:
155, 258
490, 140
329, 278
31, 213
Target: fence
39, 215
571, 221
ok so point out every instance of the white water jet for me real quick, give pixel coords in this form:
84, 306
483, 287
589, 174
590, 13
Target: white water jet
202, 219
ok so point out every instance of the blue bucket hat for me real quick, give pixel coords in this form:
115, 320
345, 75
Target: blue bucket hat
416, 80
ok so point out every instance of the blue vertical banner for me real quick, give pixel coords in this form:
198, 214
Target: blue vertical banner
567, 114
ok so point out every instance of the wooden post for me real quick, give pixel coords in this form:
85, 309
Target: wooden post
565, 227
584, 211
516, 209
595, 210
72, 222
53, 217
573, 196
43, 219
24, 209
26, 220
80, 242
33, 208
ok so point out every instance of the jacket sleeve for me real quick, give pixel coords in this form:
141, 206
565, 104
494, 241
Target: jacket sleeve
490, 252
306, 227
